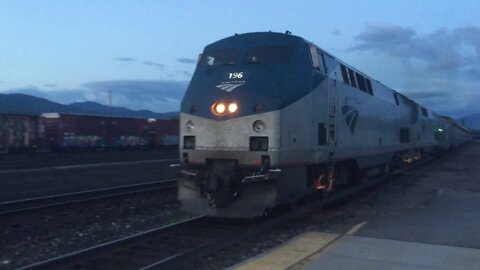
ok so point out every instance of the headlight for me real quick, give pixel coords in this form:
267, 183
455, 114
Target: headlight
222, 108
189, 125
232, 107
259, 126
218, 108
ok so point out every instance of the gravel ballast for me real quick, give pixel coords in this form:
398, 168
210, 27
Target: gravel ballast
29, 237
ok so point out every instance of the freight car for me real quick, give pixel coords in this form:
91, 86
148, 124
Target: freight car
165, 132
87, 132
269, 118
62, 131
19, 133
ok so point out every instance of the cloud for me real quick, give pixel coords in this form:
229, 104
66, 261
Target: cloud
28, 90
473, 73
146, 62
186, 73
440, 69
64, 96
125, 59
447, 95
427, 95
153, 64
186, 60
442, 50
380, 36
157, 96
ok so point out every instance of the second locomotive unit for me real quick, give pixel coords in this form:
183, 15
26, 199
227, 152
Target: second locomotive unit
269, 118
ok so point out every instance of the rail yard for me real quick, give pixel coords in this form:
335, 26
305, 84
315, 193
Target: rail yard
295, 135
79, 234
367, 168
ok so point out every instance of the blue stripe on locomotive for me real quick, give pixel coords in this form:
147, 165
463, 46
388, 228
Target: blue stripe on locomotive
273, 86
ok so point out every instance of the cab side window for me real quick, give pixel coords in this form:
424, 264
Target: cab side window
321, 61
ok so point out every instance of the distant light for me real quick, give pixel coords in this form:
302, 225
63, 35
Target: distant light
440, 130
51, 115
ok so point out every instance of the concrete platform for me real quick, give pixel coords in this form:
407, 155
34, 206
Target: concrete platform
439, 230
355, 252
289, 254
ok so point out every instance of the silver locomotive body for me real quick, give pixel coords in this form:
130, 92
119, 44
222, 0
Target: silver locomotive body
303, 123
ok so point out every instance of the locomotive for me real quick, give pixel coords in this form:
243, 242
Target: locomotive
270, 118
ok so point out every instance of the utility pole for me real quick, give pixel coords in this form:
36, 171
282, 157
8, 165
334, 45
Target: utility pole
110, 101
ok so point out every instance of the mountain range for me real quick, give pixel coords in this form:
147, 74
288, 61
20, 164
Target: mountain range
471, 121
26, 104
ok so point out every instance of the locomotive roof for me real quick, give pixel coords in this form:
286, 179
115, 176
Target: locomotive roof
261, 38
269, 38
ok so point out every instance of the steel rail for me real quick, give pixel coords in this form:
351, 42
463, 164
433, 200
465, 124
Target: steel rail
17, 206
87, 165
60, 260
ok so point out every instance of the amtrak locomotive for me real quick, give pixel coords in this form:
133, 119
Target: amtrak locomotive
270, 118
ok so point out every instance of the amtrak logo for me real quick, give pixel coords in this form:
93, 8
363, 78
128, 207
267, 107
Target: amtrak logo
229, 86
351, 115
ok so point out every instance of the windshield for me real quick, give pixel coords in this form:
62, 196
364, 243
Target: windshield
220, 57
269, 55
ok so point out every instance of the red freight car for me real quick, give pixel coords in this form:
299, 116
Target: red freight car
165, 132
76, 131
19, 133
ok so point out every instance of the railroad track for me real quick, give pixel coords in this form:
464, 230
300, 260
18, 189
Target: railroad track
180, 244
86, 165
55, 159
11, 207
167, 247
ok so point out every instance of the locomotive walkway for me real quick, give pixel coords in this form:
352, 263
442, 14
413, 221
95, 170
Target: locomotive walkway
439, 233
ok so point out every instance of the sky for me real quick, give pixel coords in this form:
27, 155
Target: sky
144, 52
